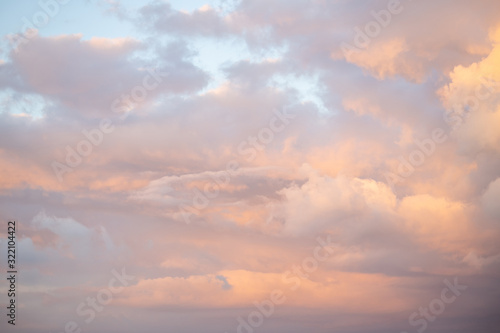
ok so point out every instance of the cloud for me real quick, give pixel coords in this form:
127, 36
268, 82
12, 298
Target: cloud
489, 199
73, 238
160, 17
355, 118
323, 203
87, 76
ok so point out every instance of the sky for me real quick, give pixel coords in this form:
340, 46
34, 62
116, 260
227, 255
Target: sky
251, 165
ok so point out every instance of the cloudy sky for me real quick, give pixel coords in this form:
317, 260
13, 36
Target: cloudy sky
251, 165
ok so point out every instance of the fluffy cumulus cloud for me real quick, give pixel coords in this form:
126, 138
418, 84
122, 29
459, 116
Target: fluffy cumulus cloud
88, 75
273, 166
